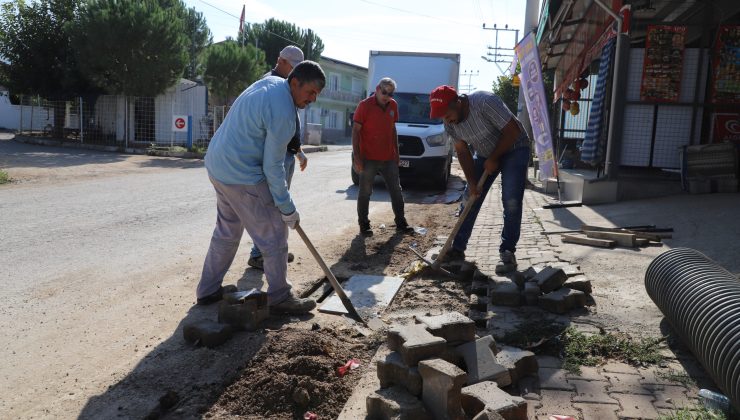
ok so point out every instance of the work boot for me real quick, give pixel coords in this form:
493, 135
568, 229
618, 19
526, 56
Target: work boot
365, 229
507, 263
452, 255
403, 227
293, 305
217, 295
259, 262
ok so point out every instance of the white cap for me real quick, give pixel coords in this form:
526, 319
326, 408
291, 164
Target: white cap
293, 54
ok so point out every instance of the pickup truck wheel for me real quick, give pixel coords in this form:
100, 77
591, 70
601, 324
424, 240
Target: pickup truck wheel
440, 181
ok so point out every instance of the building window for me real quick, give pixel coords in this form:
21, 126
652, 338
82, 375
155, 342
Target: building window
357, 86
313, 115
333, 82
335, 119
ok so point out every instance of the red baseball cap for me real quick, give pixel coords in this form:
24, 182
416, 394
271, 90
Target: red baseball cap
440, 99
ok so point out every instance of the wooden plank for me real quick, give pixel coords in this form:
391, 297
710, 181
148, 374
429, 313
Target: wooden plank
622, 239
582, 240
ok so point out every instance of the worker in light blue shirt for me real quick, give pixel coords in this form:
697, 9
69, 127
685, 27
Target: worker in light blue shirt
245, 163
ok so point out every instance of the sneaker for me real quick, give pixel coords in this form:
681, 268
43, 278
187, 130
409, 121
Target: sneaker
217, 295
507, 263
365, 229
293, 305
256, 262
453, 255
403, 227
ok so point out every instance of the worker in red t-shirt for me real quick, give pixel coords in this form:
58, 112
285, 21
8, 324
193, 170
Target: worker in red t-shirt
375, 149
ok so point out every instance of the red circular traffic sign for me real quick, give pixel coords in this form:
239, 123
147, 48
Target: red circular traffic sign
180, 122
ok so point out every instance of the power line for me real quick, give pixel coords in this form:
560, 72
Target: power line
417, 14
239, 19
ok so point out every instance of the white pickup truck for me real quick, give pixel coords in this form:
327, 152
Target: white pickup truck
425, 148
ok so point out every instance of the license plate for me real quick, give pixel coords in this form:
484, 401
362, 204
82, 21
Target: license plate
404, 163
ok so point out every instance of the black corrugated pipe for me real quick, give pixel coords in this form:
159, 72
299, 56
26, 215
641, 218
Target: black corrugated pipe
701, 300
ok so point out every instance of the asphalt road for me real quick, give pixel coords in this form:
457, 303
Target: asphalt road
100, 253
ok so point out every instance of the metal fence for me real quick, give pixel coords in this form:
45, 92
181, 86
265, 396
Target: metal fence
131, 122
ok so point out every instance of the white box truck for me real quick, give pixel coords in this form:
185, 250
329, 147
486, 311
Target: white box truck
425, 148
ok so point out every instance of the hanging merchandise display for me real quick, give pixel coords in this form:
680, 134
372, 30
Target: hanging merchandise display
591, 149
663, 63
726, 66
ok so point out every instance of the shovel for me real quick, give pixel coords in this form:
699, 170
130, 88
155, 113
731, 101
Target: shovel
329, 275
448, 244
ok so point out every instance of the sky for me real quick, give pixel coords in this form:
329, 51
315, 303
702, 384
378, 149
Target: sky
351, 28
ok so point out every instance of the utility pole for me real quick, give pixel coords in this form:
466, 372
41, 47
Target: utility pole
470, 74
497, 53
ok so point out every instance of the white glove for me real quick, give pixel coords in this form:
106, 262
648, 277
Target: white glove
292, 219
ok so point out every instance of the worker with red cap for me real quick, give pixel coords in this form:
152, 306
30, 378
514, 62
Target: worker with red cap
481, 121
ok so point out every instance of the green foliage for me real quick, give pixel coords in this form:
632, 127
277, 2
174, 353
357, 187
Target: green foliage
131, 47
591, 350
505, 89
228, 68
694, 413
199, 37
35, 42
273, 35
4, 178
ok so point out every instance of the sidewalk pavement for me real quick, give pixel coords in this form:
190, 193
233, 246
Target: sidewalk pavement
615, 390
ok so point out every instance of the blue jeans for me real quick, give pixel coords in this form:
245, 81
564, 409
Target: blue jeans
513, 170
289, 169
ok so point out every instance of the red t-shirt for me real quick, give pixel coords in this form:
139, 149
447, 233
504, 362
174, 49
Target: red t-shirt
377, 141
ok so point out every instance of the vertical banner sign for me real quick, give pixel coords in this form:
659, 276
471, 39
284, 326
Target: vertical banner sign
663, 64
726, 66
534, 93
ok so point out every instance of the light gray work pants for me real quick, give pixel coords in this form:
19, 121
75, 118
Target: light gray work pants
249, 207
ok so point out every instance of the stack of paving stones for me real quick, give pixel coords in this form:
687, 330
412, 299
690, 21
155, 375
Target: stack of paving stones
238, 311
438, 369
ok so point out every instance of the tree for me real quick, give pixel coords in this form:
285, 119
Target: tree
35, 45
199, 37
273, 35
505, 89
228, 68
131, 47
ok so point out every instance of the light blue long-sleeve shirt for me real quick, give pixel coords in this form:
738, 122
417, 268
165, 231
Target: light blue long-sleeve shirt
249, 146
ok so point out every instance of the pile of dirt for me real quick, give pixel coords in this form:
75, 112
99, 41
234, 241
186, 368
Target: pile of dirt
296, 372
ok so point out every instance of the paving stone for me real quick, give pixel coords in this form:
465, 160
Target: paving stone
555, 402
554, 379
597, 411
529, 273
629, 384
479, 276
452, 326
656, 375
480, 362
550, 278
636, 406
478, 303
518, 279
588, 373
414, 343
246, 313
532, 293
672, 397
532, 407
479, 287
488, 414
395, 403
207, 333
505, 294
467, 271
579, 284
561, 301
592, 392
619, 367
544, 361
442, 383
452, 355
520, 362
392, 371
487, 395
479, 317
570, 270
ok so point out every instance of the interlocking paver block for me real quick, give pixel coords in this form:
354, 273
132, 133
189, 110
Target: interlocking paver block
519, 362
414, 343
442, 383
479, 287
506, 294
488, 414
588, 373
529, 387
544, 361
672, 397
478, 303
579, 283
636, 406
395, 403
550, 279
452, 326
479, 317
555, 402
480, 360
392, 371
532, 293
619, 367
597, 411
562, 300
244, 314
629, 384
554, 379
207, 333
529, 273
487, 395
591, 392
